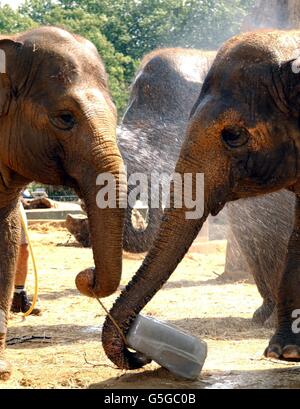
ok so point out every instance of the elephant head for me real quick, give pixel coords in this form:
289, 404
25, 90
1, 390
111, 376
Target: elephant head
166, 86
163, 93
244, 136
58, 127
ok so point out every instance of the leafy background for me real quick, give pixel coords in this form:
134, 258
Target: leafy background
124, 30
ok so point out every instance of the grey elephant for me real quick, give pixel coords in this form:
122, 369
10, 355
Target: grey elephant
163, 93
261, 228
244, 135
58, 127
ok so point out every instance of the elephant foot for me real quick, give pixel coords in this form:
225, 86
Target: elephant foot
263, 313
235, 276
284, 345
5, 369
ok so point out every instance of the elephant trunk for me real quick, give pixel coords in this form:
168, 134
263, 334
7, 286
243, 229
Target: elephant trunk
106, 224
139, 240
175, 236
143, 143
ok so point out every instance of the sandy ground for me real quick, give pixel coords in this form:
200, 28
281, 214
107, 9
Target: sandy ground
194, 299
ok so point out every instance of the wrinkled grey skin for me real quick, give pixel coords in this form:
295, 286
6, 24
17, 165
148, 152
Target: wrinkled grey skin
163, 93
261, 229
145, 139
58, 127
244, 135
153, 126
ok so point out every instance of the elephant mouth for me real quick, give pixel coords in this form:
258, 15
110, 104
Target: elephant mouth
216, 209
219, 198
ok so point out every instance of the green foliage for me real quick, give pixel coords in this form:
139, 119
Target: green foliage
124, 30
12, 21
72, 16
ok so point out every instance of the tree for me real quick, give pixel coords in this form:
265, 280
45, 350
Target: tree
70, 15
124, 30
137, 27
12, 21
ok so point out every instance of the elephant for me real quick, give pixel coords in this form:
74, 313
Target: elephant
244, 136
162, 95
58, 127
255, 223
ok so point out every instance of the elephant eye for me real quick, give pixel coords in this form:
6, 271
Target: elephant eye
65, 120
234, 136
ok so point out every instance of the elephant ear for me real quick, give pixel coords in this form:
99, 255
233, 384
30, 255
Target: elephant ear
8, 51
296, 66
290, 84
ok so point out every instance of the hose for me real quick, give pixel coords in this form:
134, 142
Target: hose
35, 296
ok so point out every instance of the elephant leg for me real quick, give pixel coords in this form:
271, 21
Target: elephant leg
236, 265
285, 343
264, 315
264, 312
9, 245
260, 268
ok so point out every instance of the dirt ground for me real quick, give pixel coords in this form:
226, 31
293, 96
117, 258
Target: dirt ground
194, 299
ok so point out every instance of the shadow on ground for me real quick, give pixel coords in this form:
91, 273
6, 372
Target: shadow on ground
54, 295
157, 379
219, 280
56, 333
189, 283
277, 378
223, 328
